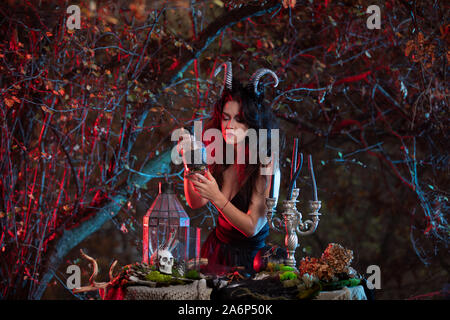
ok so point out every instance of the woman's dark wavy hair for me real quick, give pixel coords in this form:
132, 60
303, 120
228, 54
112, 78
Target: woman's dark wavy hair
255, 115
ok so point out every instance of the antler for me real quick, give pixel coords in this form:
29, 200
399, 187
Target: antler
254, 79
92, 284
196, 262
168, 244
228, 78
111, 277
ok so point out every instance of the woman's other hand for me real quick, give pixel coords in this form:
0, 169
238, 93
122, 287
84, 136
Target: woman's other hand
184, 145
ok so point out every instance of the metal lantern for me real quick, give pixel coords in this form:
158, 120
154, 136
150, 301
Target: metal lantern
167, 227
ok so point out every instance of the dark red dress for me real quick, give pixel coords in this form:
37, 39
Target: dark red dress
227, 247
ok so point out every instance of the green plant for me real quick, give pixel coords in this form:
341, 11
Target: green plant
288, 275
192, 274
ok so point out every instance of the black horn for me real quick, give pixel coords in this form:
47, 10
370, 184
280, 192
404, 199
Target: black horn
254, 79
227, 80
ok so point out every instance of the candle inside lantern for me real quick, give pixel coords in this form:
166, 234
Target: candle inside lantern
312, 177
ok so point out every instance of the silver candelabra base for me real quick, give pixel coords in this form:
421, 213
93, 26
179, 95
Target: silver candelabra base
292, 223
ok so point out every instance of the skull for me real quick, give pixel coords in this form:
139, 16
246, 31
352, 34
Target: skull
165, 261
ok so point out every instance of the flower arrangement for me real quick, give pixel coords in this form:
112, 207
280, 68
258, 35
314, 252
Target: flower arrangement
331, 266
337, 257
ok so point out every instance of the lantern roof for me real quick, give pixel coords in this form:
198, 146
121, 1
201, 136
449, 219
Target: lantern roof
166, 206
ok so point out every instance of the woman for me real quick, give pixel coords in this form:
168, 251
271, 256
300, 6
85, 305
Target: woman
238, 191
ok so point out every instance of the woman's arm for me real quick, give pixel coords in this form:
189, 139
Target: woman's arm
250, 222
193, 198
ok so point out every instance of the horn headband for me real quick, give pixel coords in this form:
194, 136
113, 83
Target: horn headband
227, 80
254, 79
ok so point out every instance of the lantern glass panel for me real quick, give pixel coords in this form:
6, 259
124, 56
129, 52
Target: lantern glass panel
166, 217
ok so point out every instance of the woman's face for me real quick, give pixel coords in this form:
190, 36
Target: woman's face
233, 127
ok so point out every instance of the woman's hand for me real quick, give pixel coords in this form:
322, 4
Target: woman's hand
184, 145
184, 142
207, 186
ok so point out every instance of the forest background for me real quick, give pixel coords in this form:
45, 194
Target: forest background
87, 114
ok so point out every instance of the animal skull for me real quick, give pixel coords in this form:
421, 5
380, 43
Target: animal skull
165, 261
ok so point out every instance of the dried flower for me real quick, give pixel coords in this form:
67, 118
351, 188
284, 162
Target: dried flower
337, 257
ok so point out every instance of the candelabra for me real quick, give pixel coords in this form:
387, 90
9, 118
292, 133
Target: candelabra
292, 223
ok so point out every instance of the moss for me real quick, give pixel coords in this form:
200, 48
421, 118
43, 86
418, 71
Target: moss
192, 274
286, 268
337, 285
156, 276
175, 273
274, 267
288, 275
